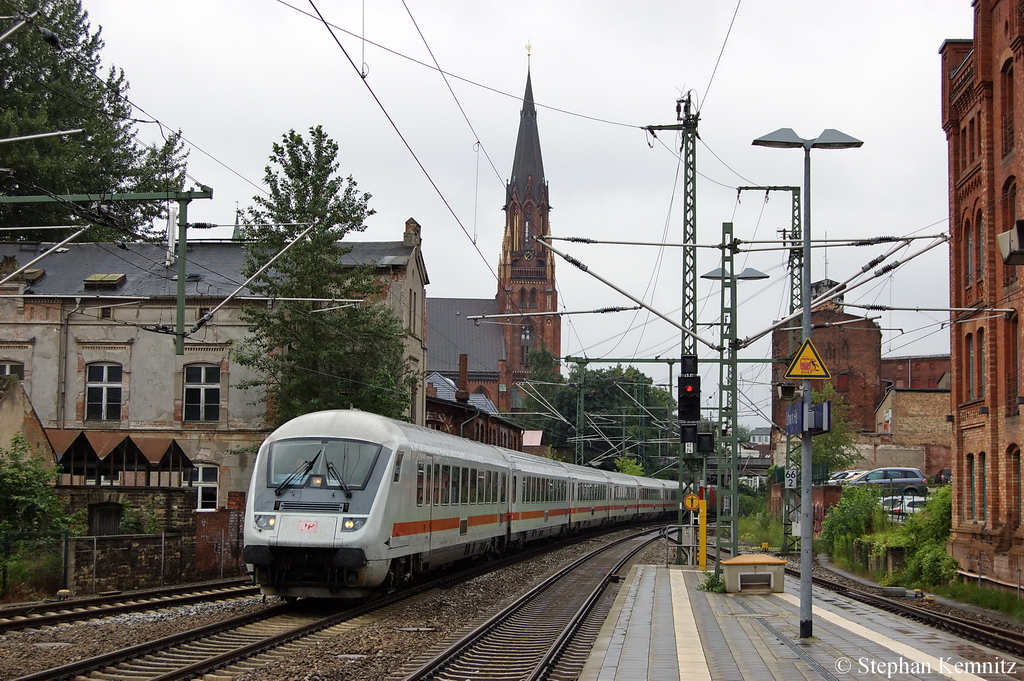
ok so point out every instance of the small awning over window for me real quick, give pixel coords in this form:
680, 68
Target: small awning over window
95, 457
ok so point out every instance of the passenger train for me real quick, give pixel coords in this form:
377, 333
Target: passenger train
345, 503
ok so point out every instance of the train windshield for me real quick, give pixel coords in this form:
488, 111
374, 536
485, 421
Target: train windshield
321, 462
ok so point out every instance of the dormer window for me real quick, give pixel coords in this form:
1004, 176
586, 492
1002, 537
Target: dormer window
105, 281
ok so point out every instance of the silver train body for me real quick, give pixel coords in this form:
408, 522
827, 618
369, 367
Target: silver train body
345, 503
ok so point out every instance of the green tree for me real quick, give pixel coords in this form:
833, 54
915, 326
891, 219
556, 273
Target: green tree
540, 388
312, 355
629, 466
28, 499
623, 406
836, 447
47, 90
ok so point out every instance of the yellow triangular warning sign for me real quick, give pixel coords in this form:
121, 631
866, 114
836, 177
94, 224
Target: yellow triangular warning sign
807, 363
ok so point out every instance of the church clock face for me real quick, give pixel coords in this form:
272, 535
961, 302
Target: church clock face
528, 255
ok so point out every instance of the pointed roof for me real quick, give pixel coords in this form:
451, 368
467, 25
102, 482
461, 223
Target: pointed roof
528, 161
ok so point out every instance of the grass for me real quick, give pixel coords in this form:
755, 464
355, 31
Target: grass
984, 597
760, 528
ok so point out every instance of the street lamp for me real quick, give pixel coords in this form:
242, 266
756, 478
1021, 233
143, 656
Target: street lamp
785, 138
728, 396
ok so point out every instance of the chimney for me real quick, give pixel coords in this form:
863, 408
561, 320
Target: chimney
411, 238
431, 390
462, 391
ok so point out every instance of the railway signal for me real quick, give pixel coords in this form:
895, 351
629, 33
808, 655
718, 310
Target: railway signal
689, 399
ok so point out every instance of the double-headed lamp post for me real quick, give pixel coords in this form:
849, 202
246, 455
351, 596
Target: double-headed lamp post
787, 139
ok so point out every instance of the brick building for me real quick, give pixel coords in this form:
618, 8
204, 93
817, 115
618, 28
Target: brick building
927, 372
851, 348
981, 116
498, 349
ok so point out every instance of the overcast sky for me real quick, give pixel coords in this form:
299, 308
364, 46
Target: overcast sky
234, 76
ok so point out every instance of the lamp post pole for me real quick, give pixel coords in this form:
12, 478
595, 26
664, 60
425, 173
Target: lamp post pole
787, 139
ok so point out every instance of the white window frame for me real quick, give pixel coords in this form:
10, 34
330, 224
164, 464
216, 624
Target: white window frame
105, 385
205, 477
205, 387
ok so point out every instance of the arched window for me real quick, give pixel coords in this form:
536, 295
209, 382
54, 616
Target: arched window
981, 362
202, 393
969, 364
968, 253
1012, 364
983, 482
1009, 210
103, 392
533, 299
522, 299
525, 344
1006, 97
970, 487
979, 226
1017, 488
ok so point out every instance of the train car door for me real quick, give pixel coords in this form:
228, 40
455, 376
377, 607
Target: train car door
424, 501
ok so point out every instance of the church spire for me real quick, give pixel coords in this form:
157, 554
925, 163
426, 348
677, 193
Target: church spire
527, 168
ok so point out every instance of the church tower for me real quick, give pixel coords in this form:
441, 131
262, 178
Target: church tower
526, 271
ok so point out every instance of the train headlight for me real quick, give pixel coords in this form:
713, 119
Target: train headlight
352, 524
264, 521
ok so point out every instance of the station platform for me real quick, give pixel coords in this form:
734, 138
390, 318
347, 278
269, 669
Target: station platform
661, 627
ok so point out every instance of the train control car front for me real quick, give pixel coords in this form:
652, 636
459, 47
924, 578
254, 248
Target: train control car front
315, 499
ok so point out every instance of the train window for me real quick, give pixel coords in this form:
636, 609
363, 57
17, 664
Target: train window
335, 463
494, 487
503, 482
515, 479
419, 483
464, 495
437, 484
472, 486
455, 485
482, 486
445, 477
487, 487
398, 466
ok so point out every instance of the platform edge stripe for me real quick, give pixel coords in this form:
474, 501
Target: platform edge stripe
892, 644
691, 658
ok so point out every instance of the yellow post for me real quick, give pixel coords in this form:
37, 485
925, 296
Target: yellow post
702, 555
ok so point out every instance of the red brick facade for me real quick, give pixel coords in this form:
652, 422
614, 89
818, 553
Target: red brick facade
982, 102
851, 349
927, 372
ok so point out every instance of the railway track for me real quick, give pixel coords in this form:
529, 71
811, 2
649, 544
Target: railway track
533, 637
993, 636
50, 613
243, 642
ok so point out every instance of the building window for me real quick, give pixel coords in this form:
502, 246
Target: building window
968, 253
205, 480
971, 141
978, 225
103, 392
969, 363
970, 488
1017, 489
1009, 220
202, 393
525, 344
981, 362
984, 486
13, 369
1007, 101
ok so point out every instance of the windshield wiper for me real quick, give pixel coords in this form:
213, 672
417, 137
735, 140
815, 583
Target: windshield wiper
331, 470
304, 468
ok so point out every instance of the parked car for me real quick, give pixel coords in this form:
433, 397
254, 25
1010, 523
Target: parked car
840, 477
899, 507
906, 480
944, 477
